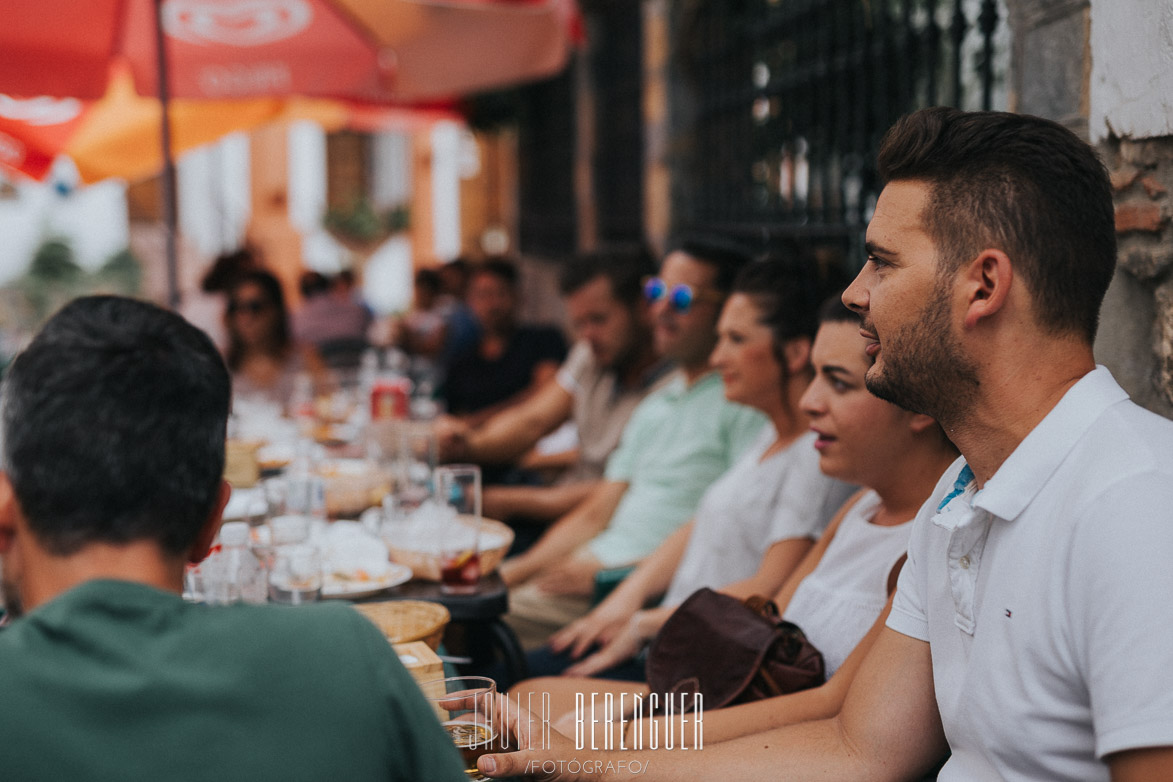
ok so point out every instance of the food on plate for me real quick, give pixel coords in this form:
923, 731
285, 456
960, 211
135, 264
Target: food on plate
352, 486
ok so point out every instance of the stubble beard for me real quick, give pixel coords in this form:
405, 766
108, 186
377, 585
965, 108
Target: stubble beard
924, 369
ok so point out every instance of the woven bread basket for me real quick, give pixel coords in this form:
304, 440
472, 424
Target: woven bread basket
403, 621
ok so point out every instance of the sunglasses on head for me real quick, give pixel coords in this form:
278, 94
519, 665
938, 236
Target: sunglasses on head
680, 296
251, 306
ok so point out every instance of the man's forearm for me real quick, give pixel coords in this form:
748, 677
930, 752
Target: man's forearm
653, 576
811, 751
512, 432
535, 503
504, 438
887, 729
559, 542
567, 534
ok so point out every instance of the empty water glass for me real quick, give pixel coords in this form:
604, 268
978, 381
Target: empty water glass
296, 575
416, 462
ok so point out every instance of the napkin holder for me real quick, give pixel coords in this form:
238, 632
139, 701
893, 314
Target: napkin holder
420, 661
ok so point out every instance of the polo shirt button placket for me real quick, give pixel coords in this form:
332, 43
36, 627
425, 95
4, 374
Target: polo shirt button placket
964, 557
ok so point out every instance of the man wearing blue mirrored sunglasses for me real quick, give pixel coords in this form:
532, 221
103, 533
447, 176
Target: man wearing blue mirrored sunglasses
678, 441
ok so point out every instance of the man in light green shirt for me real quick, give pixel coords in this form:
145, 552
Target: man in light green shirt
112, 427
678, 441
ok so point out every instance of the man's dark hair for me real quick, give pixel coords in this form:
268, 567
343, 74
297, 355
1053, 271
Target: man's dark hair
312, 283
625, 268
113, 427
726, 256
429, 280
1021, 184
499, 268
454, 276
346, 277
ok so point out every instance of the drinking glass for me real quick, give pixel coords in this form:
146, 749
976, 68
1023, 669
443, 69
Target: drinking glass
296, 574
275, 490
466, 708
416, 463
458, 486
257, 509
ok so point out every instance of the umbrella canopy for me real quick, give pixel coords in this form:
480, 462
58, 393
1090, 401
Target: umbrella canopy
118, 135
374, 50
371, 50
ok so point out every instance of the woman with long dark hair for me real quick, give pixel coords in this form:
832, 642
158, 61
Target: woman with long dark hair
261, 353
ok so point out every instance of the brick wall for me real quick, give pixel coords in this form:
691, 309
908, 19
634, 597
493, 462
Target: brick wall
1142, 178
1051, 68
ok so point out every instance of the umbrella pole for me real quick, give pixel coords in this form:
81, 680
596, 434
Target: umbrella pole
170, 206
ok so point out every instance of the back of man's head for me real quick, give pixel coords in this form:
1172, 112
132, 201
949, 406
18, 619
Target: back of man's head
1020, 184
500, 269
113, 427
725, 256
624, 266
312, 283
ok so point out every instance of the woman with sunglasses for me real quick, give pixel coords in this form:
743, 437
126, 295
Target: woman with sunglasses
261, 355
753, 524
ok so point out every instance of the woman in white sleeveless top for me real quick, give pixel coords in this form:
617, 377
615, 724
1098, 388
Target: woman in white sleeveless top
840, 593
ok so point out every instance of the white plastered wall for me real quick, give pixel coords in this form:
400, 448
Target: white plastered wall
1132, 69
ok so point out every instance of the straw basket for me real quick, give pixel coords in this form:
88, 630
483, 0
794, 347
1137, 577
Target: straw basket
403, 621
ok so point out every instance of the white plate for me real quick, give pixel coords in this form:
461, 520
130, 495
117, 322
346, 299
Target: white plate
335, 587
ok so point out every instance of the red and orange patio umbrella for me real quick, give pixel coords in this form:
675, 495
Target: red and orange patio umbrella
118, 135
380, 51
373, 50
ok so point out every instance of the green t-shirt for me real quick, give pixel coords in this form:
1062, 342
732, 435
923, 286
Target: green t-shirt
119, 681
679, 440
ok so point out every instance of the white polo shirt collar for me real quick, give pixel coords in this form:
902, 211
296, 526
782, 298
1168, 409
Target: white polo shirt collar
1039, 455
967, 512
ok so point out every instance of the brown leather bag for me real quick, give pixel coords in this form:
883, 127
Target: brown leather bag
731, 652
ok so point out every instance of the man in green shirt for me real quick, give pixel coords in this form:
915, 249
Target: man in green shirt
112, 425
678, 441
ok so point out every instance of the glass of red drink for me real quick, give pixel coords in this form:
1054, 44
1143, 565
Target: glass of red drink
458, 486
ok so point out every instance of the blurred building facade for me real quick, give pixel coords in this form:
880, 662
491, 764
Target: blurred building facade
757, 119
760, 120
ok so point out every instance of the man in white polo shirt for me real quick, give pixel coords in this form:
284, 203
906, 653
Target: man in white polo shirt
1031, 634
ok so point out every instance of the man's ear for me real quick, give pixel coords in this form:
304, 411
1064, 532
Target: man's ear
987, 283
203, 543
9, 511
